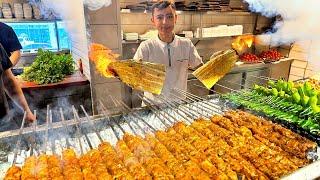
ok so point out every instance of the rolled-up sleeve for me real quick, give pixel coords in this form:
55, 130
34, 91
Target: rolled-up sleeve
142, 52
194, 58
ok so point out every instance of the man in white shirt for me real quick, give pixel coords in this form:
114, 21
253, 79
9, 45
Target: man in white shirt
177, 53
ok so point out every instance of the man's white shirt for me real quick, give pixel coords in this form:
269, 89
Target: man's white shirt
177, 56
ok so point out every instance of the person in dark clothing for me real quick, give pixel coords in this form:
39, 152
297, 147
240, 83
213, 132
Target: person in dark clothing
9, 85
10, 43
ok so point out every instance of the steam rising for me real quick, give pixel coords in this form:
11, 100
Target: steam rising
94, 5
299, 22
72, 13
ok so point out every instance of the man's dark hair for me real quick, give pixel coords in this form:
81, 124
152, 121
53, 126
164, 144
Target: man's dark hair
162, 5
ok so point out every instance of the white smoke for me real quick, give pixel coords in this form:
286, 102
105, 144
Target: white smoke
94, 5
63, 9
300, 22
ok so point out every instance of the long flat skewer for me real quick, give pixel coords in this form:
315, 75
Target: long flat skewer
197, 104
176, 108
192, 96
156, 111
91, 123
137, 117
65, 127
107, 117
78, 126
128, 121
33, 139
44, 147
17, 147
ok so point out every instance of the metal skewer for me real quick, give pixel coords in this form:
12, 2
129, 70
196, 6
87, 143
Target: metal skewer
190, 110
198, 103
189, 115
197, 98
33, 139
174, 104
117, 104
65, 128
152, 103
91, 123
107, 117
128, 110
78, 126
156, 112
17, 147
53, 147
44, 148
133, 113
263, 77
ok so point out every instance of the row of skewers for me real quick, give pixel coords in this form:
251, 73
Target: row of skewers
224, 147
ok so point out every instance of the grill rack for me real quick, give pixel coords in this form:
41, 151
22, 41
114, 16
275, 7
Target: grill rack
187, 106
82, 126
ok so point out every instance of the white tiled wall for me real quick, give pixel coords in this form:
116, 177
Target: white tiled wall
299, 52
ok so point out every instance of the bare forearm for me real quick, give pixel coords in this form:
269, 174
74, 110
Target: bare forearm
15, 57
14, 90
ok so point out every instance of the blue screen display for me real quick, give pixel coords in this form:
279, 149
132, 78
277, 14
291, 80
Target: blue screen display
45, 35
63, 36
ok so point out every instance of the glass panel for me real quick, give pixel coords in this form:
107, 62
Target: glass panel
63, 36
35, 35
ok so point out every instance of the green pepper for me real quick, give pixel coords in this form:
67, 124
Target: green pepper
315, 108
256, 87
314, 93
263, 90
294, 90
313, 100
284, 86
288, 97
307, 88
275, 92
305, 101
282, 93
296, 97
318, 98
271, 83
290, 87
268, 91
280, 85
301, 91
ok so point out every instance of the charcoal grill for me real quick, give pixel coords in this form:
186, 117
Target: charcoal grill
85, 133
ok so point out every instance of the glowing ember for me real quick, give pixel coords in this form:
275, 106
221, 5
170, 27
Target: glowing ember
102, 57
242, 42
